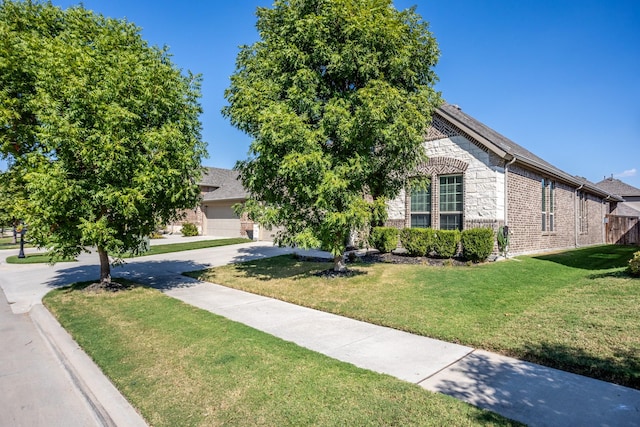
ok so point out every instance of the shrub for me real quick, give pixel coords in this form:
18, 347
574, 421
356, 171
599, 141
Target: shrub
445, 243
189, 229
503, 240
417, 241
634, 265
384, 239
477, 243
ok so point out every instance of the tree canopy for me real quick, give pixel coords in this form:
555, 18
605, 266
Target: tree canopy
101, 131
337, 96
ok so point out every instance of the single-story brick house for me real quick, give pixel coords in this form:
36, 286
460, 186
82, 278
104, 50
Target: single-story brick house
220, 190
479, 178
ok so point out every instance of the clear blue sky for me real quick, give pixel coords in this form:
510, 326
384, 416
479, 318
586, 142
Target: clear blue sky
559, 77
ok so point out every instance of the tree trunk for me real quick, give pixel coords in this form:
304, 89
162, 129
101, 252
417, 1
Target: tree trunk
15, 235
338, 264
105, 267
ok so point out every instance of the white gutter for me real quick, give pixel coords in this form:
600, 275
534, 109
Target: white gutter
576, 210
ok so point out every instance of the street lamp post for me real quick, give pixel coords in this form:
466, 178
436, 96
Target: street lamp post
21, 254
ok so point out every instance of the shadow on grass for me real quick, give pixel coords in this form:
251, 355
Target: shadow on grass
157, 274
295, 267
623, 369
593, 258
535, 394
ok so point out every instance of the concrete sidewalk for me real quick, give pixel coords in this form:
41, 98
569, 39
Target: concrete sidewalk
529, 393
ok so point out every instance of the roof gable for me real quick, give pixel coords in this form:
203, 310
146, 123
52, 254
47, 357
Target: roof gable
619, 188
226, 183
490, 140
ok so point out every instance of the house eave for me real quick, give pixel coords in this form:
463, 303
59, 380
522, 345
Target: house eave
481, 139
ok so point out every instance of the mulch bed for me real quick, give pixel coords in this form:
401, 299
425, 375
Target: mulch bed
393, 258
107, 287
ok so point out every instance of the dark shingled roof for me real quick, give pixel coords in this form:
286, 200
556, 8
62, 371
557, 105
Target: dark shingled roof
508, 150
619, 188
228, 186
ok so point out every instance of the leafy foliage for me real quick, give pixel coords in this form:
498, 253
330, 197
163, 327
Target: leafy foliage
477, 243
385, 239
337, 96
101, 130
445, 243
634, 265
417, 241
189, 229
503, 240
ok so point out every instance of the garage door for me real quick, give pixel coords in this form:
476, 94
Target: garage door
221, 220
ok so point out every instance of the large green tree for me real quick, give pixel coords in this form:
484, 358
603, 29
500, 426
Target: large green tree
337, 96
100, 130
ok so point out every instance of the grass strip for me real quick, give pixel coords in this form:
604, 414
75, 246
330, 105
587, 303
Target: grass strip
153, 250
180, 365
576, 310
7, 243
37, 258
189, 246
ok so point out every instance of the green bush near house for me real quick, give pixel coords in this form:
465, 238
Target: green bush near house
445, 243
417, 241
634, 265
477, 243
189, 229
384, 239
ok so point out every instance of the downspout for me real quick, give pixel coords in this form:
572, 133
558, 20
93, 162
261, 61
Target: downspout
506, 186
576, 211
604, 213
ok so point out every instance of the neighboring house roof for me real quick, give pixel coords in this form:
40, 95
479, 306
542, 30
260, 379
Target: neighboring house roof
619, 188
626, 210
509, 150
225, 183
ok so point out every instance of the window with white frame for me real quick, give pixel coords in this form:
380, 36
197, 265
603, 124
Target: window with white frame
421, 207
451, 202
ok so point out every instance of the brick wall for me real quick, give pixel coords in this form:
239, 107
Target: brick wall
594, 233
525, 215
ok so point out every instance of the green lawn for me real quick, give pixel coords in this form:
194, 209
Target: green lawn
182, 366
576, 310
7, 243
37, 258
189, 246
153, 250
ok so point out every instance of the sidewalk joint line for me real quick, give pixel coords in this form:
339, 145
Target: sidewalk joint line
447, 367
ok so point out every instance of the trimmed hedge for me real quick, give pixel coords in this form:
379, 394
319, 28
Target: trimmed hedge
445, 243
634, 265
189, 229
477, 243
417, 241
384, 239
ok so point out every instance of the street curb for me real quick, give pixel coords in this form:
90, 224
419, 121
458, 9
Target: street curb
107, 404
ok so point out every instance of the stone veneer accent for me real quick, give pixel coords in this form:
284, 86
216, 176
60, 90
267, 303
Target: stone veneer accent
483, 181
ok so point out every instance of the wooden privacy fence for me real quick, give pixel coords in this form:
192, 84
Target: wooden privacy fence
622, 230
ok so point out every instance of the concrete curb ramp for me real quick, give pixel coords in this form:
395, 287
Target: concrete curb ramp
108, 406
